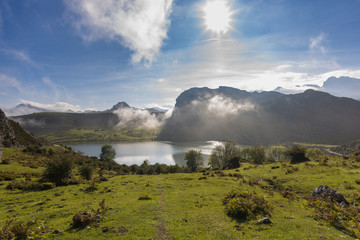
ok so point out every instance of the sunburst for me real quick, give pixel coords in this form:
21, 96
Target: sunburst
217, 16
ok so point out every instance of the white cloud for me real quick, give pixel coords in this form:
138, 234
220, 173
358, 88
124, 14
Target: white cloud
58, 106
6, 82
19, 55
140, 25
316, 43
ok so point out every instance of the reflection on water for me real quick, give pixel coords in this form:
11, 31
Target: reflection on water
156, 152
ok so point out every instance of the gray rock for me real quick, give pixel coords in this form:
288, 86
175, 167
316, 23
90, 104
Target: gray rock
328, 193
264, 221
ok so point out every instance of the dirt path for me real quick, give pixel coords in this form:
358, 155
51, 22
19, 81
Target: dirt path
162, 233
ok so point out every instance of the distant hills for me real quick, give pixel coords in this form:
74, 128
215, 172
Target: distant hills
119, 123
262, 118
27, 108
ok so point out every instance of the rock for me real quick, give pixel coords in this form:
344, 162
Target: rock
328, 193
56, 232
122, 230
264, 221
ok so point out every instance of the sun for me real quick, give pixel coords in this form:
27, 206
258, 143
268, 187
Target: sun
217, 16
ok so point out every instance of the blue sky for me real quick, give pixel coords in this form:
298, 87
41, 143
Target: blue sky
84, 54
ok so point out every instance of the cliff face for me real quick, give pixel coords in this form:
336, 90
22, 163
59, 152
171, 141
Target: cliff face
13, 135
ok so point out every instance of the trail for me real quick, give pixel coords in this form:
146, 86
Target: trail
334, 153
162, 233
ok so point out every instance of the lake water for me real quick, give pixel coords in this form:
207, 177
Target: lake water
156, 152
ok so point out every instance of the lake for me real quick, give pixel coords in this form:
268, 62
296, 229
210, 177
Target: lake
156, 152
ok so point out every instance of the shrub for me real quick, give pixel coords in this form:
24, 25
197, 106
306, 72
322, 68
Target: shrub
86, 172
344, 219
243, 205
144, 197
58, 170
84, 219
7, 176
47, 185
23, 185
297, 154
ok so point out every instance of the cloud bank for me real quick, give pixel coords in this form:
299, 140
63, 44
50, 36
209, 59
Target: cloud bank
138, 118
140, 25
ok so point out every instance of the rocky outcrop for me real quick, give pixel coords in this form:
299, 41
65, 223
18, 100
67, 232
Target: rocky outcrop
328, 193
13, 135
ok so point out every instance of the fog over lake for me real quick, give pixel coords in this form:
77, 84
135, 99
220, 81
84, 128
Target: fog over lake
156, 152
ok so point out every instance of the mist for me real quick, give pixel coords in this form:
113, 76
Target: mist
139, 118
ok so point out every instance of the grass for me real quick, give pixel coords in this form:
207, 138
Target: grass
181, 206
99, 135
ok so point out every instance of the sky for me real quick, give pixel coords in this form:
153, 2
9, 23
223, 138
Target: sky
91, 54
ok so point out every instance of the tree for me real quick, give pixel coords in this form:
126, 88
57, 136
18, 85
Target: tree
297, 154
275, 153
194, 159
59, 170
226, 155
108, 153
257, 154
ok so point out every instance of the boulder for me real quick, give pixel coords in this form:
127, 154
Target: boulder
328, 193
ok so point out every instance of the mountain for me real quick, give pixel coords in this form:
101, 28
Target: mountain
262, 117
121, 122
118, 106
13, 135
23, 109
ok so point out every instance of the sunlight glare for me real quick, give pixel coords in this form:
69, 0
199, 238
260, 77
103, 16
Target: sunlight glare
217, 16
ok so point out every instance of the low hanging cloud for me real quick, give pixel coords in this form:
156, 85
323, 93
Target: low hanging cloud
222, 106
140, 25
139, 118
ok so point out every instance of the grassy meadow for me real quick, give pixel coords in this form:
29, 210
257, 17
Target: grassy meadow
177, 205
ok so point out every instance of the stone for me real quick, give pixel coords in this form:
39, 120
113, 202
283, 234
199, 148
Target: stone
264, 221
328, 193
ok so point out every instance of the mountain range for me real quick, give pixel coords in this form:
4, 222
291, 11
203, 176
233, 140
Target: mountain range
262, 118
340, 87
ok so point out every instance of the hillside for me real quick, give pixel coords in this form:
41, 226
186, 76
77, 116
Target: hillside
13, 135
262, 118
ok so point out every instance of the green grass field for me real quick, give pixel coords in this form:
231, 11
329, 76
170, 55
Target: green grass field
101, 135
184, 205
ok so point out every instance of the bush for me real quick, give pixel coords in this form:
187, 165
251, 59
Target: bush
7, 176
47, 185
84, 219
297, 154
242, 205
86, 172
144, 197
344, 219
23, 185
58, 171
